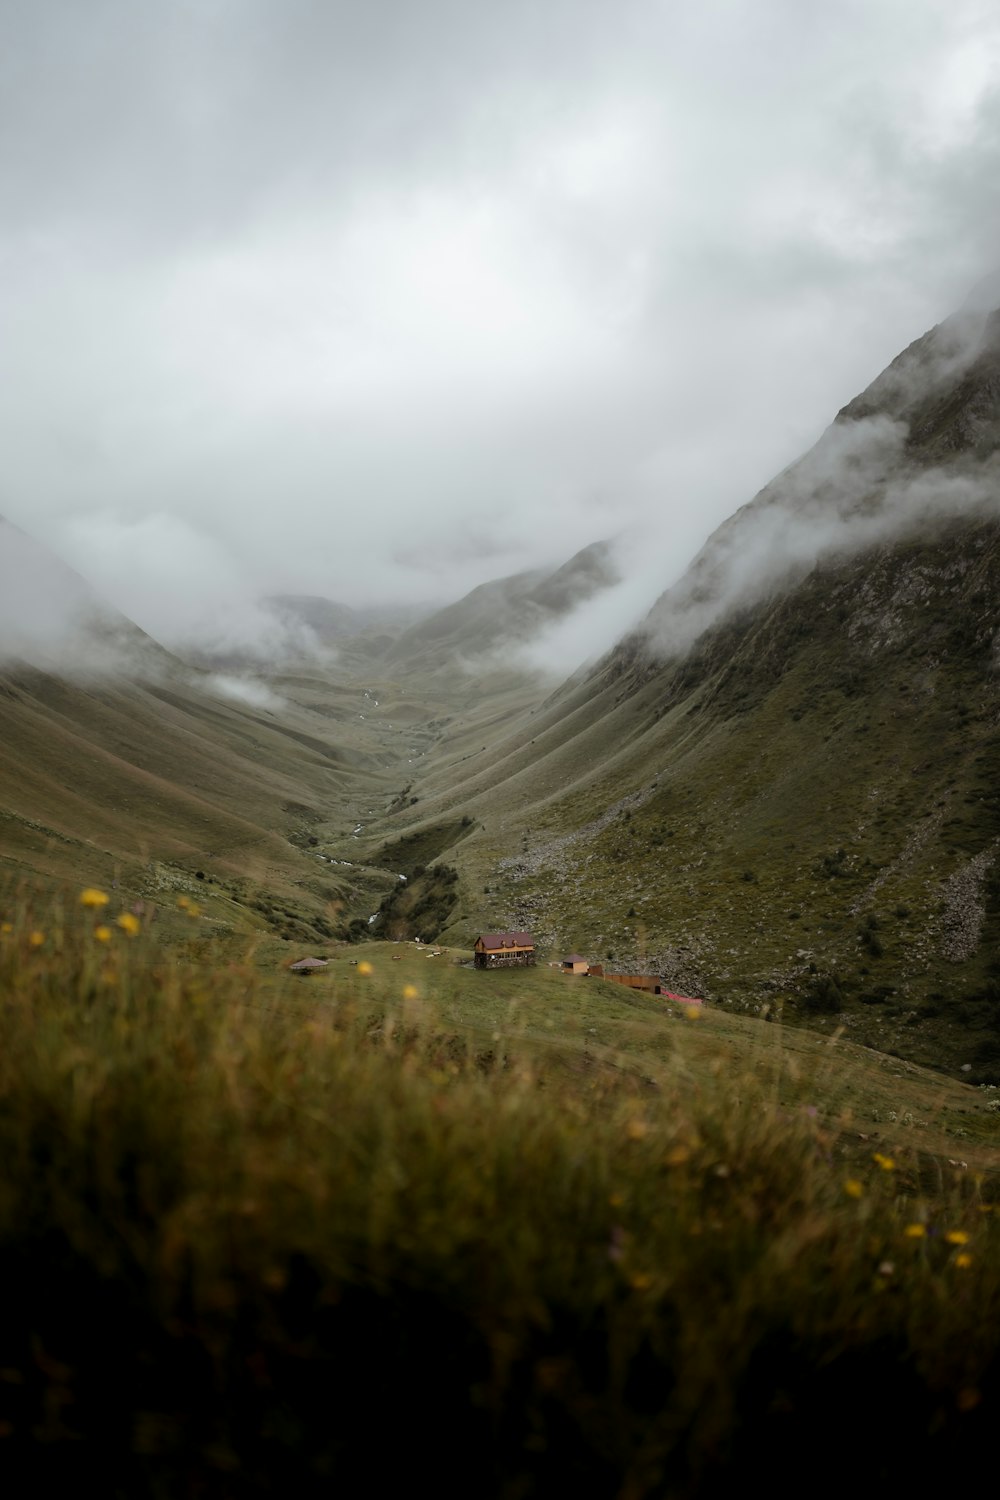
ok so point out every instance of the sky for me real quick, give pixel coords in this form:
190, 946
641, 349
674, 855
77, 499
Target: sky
379, 300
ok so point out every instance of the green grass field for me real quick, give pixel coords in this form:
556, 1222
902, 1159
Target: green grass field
495, 1233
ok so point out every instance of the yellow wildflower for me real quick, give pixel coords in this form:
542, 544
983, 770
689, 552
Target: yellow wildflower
128, 923
963, 1261
914, 1231
6, 927
102, 933
183, 902
636, 1130
193, 909
885, 1162
410, 992
364, 967
677, 1156
91, 896
853, 1188
957, 1237
693, 1012
36, 939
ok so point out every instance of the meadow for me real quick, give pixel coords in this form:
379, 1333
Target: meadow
490, 1234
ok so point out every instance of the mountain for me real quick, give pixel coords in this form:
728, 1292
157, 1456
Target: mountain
489, 623
332, 623
119, 762
783, 792
53, 618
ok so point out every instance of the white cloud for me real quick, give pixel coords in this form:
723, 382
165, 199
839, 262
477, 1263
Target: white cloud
382, 301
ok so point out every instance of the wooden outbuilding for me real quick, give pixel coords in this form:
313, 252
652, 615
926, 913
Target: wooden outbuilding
575, 964
650, 984
502, 950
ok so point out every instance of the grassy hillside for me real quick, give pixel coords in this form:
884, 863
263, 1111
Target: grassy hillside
492, 1233
799, 809
149, 782
779, 797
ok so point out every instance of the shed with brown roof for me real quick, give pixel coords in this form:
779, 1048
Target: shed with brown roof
308, 965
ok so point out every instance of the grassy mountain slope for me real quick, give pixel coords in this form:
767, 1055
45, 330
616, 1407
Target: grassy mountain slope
150, 781
799, 809
120, 762
547, 1235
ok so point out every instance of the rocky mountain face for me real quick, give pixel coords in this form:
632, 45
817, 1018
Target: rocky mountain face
785, 788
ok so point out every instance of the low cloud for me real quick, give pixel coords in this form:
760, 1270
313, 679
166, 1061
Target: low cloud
378, 302
852, 493
249, 691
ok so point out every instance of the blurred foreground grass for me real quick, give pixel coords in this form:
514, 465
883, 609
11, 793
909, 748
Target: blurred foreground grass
342, 1237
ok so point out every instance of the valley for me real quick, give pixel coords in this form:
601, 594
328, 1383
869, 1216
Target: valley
595, 1232
779, 791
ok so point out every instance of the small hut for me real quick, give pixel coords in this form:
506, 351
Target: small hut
574, 964
503, 950
307, 965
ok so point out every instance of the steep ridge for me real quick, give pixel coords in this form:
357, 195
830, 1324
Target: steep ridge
51, 617
492, 620
784, 788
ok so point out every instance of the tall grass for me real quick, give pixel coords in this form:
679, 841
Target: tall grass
251, 1248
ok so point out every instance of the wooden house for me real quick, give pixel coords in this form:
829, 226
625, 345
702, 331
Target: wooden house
574, 964
501, 950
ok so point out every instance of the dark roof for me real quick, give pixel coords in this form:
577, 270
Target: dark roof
309, 963
506, 940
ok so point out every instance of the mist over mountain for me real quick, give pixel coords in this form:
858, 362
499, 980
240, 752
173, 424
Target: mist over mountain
780, 791
331, 622
506, 622
917, 448
51, 617
472, 470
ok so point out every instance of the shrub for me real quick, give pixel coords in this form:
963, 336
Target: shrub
824, 995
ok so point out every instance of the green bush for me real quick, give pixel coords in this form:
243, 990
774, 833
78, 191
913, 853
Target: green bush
824, 995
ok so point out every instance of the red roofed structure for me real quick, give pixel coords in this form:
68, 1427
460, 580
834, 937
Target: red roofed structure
502, 950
